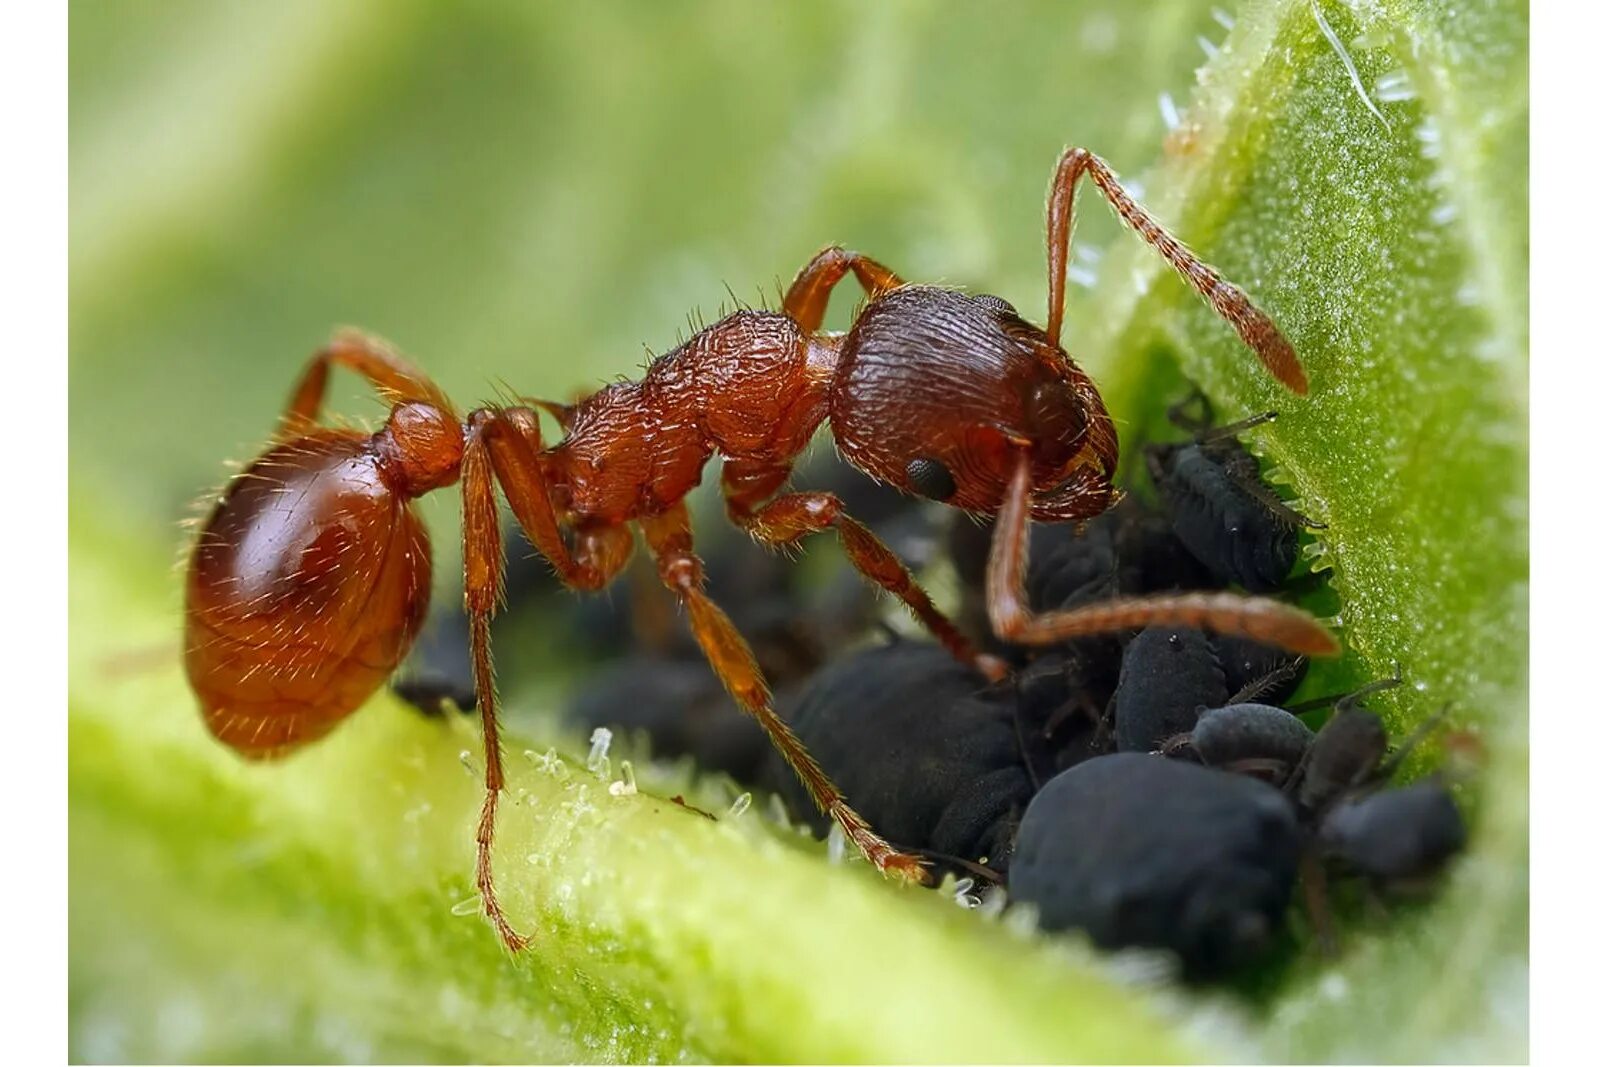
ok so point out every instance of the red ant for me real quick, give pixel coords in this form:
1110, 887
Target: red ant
311, 576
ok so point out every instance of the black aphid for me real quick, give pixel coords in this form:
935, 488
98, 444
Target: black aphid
1395, 835
1138, 850
1222, 510
1351, 751
920, 747
1250, 738
1168, 676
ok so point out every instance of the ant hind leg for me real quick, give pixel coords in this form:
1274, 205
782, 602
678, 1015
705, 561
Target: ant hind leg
389, 372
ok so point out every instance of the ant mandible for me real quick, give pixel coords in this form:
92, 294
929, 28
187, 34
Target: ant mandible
311, 576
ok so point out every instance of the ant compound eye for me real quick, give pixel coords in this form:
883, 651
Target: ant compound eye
994, 303
931, 478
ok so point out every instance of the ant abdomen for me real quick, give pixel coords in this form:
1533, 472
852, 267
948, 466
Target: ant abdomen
305, 589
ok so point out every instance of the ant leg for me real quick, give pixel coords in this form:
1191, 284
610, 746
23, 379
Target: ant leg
672, 543
1227, 299
513, 442
788, 519
807, 299
484, 566
493, 451
388, 372
1013, 619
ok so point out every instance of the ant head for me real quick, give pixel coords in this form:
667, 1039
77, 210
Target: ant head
936, 392
421, 448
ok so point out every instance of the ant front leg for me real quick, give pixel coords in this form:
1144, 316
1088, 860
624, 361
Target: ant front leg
515, 446
1228, 300
387, 371
672, 543
1013, 619
501, 446
807, 299
788, 519
483, 560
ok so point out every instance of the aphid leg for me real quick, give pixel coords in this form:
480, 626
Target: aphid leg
388, 371
484, 565
1178, 414
1252, 324
1177, 745
988, 874
791, 517
807, 299
1279, 674
672, 543
1013, 619
1314, 881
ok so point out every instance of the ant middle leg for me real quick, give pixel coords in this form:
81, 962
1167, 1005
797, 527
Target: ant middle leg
807, 299
791, 517
1013, 618
389, 372
1253, 325
671, 541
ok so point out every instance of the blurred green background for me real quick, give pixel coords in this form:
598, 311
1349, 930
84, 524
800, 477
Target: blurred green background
529, 194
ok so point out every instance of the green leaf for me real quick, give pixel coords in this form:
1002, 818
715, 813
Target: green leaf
528, 193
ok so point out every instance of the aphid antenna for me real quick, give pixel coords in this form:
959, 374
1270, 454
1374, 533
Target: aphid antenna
970, 866
1234, 429
1343, 701
1413, 739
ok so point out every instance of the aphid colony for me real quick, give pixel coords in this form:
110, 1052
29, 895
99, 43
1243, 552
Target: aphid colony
1151, 790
